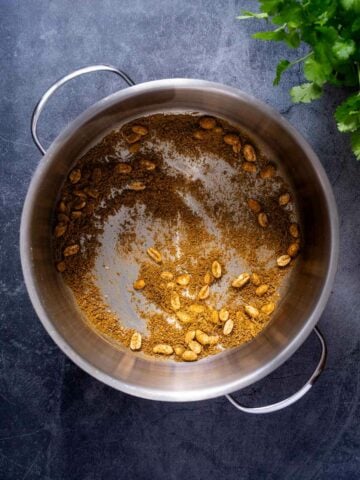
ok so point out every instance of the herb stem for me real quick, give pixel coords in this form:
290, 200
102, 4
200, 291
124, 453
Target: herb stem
302, 58
282, 27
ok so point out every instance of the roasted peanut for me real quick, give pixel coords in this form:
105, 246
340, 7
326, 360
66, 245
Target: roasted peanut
254, 205
249, 153
171, 285
268, 171
199, 134
179, 350
184, 317
71, 250
207, 278
261, 290
75, 175
251, 311
224, 314
62, 218
163, 349
241, 280
132, 137
175, 301
268, 308
79, 204
202, 337
214, 315
122, 168
196, 308
190, 335
134, 147
135, 341
140, 130
189, 356
76, 215
61, 266
60, 229
204, 292
207, 123
263, 220
195, 347
137, 186
147, 165
166, 275
293, 249
80, 194
228, 327
236, 148
213, 339
62, 208
183, 279
154, 254
216, 269
218, 130
89, 208
255, 279
248, 167
284, 199
294, 230
231, 139
139, 284
283, 260
91, 192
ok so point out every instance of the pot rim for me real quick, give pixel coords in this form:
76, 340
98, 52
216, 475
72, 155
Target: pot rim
206, 392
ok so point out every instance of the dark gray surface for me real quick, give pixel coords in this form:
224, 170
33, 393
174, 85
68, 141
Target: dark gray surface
56, 422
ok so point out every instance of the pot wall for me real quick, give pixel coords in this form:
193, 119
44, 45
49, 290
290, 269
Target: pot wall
295, 316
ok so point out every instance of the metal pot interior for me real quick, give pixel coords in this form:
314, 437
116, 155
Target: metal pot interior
308, 286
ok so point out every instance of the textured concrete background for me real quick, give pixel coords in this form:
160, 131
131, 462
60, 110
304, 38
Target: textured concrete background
56, 422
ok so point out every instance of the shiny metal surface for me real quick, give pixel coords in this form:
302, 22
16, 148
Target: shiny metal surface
274, 407
297, 313
77, 73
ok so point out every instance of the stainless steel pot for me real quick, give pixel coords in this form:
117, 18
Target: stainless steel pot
296, 315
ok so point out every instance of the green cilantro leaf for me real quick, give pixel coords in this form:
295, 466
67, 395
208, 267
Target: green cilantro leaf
331, 30
343, 49
271, 6
355, 27
348, 114
280, 69
315, 71
274, 35
305, 93
320, 11
292, 38
291, 13
351, 5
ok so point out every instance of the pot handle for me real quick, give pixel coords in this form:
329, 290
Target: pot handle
81, 71
297, 395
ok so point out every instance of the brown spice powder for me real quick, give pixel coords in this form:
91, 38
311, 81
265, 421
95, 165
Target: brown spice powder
177, 147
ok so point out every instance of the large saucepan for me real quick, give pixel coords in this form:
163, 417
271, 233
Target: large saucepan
297, 314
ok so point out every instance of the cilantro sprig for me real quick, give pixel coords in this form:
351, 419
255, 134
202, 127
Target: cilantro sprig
331, 29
